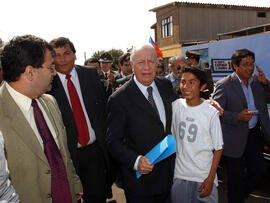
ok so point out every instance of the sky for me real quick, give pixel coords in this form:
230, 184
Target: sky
92, 25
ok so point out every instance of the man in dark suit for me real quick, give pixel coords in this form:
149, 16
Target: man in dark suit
243, 98
139, 117
85, 125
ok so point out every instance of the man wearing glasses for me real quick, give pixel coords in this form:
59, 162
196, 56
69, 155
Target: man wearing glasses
35, 146
243, 98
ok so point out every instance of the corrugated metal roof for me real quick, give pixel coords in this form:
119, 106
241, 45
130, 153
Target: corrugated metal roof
208, 5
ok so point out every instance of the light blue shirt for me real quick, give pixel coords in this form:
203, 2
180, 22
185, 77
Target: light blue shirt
174, 81
250, 101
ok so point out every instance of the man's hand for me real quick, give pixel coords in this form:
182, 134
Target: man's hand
245, 115
206, 187
111, 78
261, 77
216, 105
79, 196
144, 165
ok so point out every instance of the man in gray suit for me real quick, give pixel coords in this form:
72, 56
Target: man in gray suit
36, 150
243, 98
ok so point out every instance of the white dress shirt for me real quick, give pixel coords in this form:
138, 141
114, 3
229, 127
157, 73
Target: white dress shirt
159, 104
157, 99
75, 80
25, 106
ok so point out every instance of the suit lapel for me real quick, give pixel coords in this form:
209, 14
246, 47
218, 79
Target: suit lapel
59, 93
88, 93
56, 125
166, 102
139, 100
236, 86
255, 92
20, 125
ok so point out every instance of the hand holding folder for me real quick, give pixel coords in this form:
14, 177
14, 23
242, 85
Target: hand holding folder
161, 151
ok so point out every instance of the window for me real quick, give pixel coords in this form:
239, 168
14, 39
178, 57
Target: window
261, 15
167, 27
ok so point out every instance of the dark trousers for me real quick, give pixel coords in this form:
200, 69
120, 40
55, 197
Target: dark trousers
161, 198
245, 172
93, 174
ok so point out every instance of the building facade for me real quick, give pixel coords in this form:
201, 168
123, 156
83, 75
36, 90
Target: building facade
180, 23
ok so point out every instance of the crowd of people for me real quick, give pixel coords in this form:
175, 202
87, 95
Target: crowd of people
68, 132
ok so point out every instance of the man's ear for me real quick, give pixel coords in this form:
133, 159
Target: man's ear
132, 66
235, 66
29, 72
203, 87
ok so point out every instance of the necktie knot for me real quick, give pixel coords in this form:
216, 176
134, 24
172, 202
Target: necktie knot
68, 76
34, 103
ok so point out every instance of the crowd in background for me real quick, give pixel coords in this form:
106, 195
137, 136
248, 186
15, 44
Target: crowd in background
68, 132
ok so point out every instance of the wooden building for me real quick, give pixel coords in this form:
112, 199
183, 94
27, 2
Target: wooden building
182, 23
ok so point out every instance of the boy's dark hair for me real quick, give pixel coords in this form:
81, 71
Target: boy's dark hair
20, 52
199, 73
239, 54
61, 42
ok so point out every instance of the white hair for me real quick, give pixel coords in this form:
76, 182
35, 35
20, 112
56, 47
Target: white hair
135, 49
176, 58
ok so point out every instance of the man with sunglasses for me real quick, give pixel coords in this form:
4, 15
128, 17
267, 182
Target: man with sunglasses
243, 98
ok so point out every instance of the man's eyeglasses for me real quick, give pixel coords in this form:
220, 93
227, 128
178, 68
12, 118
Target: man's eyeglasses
247, 64
51, 67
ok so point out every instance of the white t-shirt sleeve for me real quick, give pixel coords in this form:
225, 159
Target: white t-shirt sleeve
216, 132
173, 128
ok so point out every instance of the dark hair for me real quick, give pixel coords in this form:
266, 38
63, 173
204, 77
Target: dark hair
61, 42
124, 58
21, 52
239, 54
161, 66
199, 73
91, 60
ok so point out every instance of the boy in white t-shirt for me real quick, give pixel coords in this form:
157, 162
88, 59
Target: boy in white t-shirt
197, 131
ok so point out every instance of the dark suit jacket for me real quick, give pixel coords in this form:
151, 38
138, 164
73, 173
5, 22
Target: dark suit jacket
94, 101
133, 129
122, 80
229, 94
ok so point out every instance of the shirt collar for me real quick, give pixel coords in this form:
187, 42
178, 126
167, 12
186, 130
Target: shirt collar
142, 87
21, 100
73, 74
106, 72
250, 80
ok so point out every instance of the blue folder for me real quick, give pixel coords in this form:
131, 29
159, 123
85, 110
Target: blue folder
161, 151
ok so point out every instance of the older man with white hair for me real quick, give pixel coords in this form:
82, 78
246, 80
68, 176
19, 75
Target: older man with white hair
139, 117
